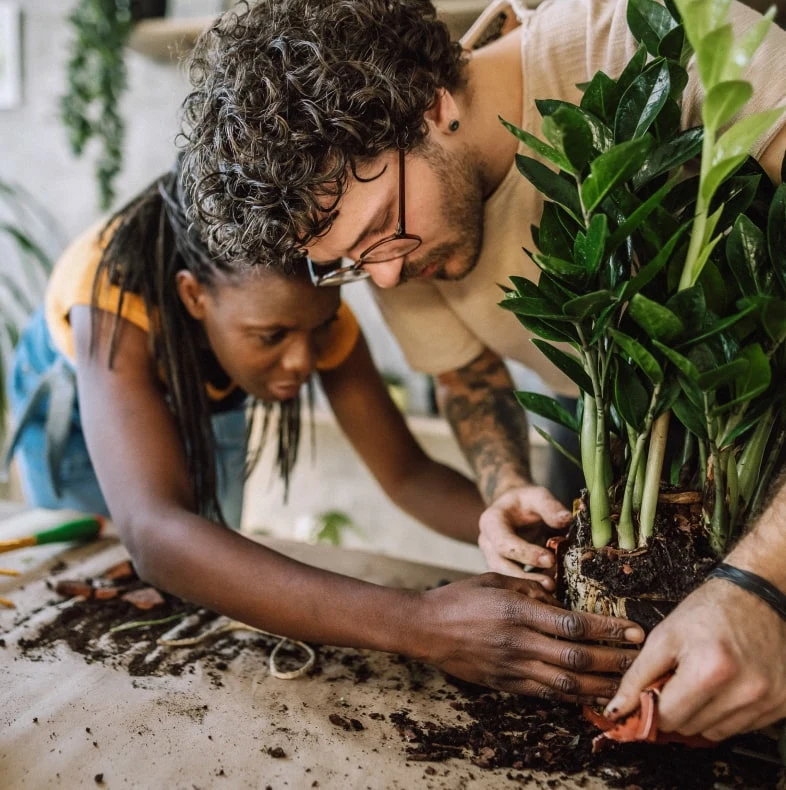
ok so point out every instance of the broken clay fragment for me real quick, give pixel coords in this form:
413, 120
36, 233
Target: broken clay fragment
641, 725
122, 571
70, 588
146, 598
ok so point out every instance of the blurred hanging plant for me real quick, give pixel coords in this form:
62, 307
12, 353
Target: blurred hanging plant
96, 81
668, 289
29, 243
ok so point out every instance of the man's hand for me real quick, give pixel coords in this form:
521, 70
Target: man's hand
727, 648
511, 526
510, 634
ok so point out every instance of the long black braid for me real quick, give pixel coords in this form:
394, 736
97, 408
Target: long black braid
147, 242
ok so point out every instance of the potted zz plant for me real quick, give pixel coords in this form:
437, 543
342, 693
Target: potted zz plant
668, 288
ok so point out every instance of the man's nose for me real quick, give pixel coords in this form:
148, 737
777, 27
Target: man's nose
387, 274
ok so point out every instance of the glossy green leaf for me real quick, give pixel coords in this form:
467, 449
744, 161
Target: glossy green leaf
776, 234
553, 239
648, 272
568, 131
525, 287
734, 145
537, 308
567, 363
614, 167
674, 46
561, 269
547, 407
601, 97
602, 137
632, 69
588, 249
640, 215
649, 22
737, 194
690, 416
642, 101
758, 375
720, 326
602, 323
588, 305
712, 53
682, 363
631, 398
746, 252
558, 333
655, 319
640, 356
550, 184
690, 306
542, 149
724, 101
669, 155
723, 375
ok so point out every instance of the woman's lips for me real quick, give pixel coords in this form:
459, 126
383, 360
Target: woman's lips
284, 391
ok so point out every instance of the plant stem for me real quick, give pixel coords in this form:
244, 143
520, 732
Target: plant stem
649, 501
718, 524
626, 531
599, 495
587, 439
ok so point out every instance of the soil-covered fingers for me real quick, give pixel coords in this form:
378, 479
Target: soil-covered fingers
498, 539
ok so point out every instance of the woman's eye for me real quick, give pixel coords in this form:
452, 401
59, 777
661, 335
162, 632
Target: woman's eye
273, 338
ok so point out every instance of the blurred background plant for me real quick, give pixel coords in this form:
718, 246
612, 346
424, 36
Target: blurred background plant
30, 240
329, 526
96, 80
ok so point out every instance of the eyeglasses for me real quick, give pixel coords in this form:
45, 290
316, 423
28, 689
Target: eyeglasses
391, 247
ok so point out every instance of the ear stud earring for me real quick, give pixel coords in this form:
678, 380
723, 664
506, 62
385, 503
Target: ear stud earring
453, 125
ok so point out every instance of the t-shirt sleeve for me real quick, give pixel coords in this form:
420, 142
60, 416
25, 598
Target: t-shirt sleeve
71, 284
344, 333
432, 337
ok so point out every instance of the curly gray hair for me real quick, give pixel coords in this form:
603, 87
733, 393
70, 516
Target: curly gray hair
289, 97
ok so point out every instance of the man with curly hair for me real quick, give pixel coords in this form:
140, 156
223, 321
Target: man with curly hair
357, 132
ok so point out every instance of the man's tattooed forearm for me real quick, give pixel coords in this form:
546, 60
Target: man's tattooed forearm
489, 424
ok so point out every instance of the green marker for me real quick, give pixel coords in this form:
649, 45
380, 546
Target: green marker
80, 529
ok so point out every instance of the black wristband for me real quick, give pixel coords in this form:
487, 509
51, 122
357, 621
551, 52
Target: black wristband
753, 583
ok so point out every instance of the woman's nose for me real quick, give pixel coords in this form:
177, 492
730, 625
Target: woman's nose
300, 357
387, 274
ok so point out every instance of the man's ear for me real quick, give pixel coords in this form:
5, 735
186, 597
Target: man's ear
192, 294
443, 113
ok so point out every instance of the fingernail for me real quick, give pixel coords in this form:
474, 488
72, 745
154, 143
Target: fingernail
612, 709
545, 560
633, 634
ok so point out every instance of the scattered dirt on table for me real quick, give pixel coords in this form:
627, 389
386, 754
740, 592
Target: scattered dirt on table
473, 728
496, 730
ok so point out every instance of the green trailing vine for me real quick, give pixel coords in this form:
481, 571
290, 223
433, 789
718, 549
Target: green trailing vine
96, 80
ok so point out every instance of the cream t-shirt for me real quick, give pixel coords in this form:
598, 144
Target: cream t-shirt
442, 325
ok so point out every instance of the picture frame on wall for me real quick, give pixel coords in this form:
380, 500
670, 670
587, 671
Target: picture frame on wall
10, 55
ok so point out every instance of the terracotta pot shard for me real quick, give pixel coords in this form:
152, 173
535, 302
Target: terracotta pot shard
641, 725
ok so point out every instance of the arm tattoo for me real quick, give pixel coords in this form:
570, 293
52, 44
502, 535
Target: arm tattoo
488, 422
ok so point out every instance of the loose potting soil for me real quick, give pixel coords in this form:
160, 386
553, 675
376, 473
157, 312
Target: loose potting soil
485, 729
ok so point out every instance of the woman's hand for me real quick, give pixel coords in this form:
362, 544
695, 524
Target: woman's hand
510, 634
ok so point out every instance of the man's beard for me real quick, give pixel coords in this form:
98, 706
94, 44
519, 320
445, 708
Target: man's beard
461, 197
